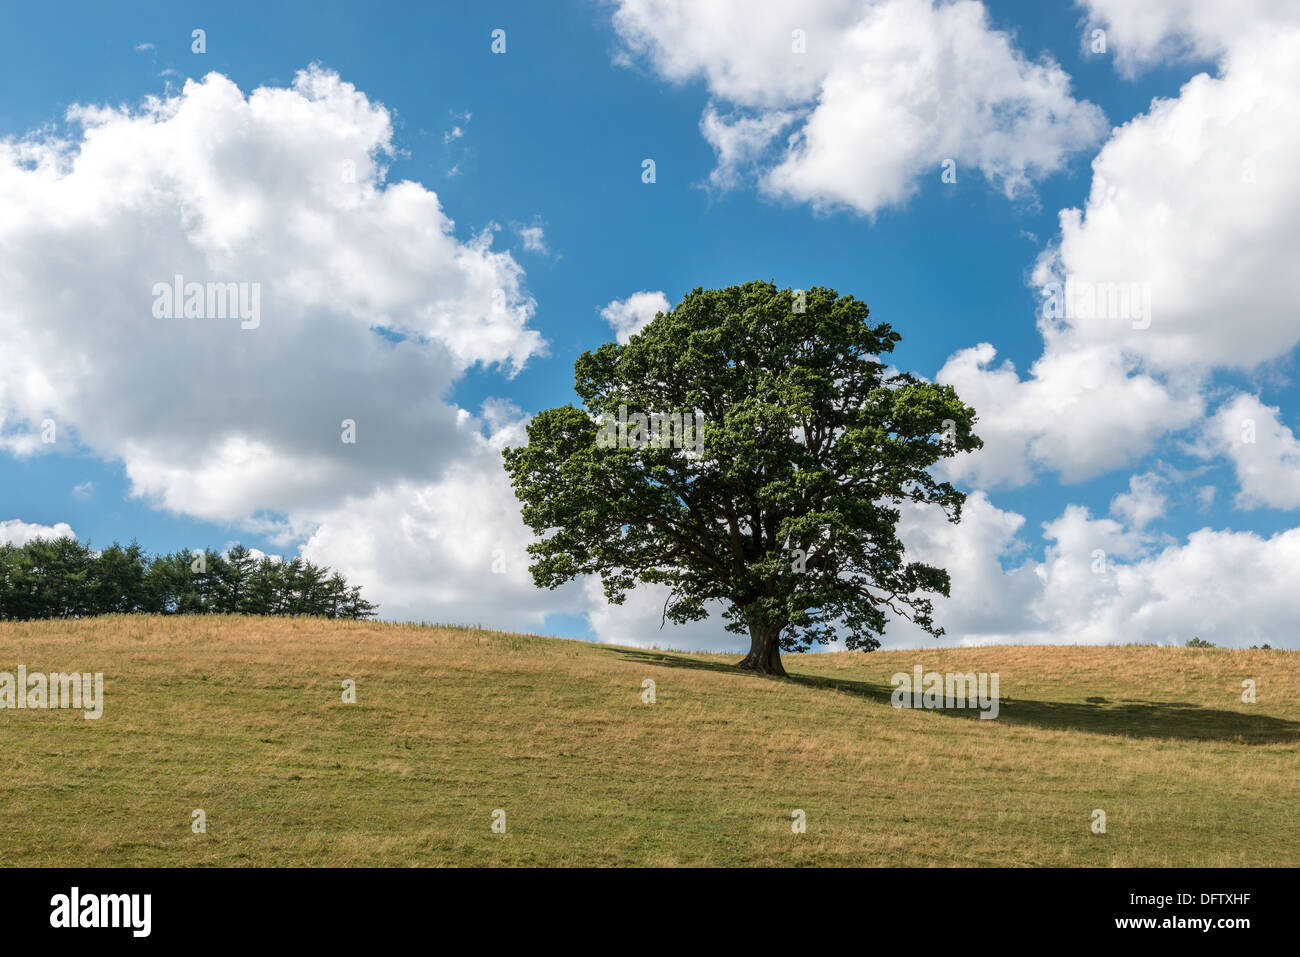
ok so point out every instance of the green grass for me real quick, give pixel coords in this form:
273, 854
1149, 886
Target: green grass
243, 718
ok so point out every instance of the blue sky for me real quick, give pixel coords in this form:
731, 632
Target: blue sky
552, 134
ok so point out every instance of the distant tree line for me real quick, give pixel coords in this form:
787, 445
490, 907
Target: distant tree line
62, 578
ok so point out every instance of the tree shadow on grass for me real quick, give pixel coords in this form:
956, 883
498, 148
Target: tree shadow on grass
1130, 717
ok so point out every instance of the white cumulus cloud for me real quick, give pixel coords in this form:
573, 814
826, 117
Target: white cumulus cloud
1263, 451
629, 316
17, 532
877, 93
282, 187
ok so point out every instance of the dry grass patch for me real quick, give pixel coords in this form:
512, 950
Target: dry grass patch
243, 718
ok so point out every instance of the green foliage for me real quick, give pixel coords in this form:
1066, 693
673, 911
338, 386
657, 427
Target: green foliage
1200, 643
788, 515
62, 578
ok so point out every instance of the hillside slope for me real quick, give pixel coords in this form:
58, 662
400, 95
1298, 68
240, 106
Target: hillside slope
244, 719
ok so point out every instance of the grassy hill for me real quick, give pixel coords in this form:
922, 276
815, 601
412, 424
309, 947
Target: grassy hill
244, 718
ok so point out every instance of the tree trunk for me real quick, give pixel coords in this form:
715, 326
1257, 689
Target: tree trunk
764, 651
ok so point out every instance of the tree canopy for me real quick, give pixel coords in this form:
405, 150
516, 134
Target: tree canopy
63, 578
784, 506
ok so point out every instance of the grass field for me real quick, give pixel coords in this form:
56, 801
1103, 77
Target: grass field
244, 718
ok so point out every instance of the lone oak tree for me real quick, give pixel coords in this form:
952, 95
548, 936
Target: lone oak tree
787, 513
